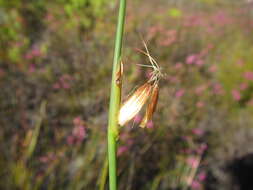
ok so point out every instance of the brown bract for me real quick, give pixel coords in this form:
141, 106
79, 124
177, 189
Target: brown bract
134, 103
151, 106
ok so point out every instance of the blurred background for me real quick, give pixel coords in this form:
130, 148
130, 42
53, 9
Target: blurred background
55, 72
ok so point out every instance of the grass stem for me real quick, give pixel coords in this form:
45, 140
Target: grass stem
115, 98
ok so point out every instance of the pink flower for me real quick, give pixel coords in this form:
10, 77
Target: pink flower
18, 44
31, 68
202, 176
205, 51
47, 158
66, 77
178, 66
243, 86
43, 159
193, 20
199, 62
191, 59
200, 104
137, 118
221, 18
180, 93
77, 121
173, 79
150, 124
70, 140
170, 37
121, 150
240, 63
236, 95
210, 46
56, 85
195, 185
200, 89
36, 52
65, 85
210, 29
248, 75
64, 82
198, 131
217, 89
79, 133
202, 148
167, 41
49, 17
28, 56
193, 162
186, 138
212, 69
152, 31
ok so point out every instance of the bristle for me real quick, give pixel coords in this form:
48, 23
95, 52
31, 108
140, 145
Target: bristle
134, 103
151, 106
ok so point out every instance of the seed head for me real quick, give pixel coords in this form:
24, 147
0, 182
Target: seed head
134, 103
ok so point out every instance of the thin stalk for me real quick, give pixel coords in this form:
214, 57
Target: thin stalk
115, 98
36, 131
103, 176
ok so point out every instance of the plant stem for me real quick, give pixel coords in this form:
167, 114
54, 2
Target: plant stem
103, 176
115, 99
36, 131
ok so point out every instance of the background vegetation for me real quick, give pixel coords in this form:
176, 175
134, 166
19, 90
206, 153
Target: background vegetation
55, 71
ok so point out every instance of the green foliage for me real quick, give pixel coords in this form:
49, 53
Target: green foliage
88, 9
174, 12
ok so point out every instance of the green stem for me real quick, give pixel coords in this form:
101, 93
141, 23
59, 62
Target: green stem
103, 176
115, 99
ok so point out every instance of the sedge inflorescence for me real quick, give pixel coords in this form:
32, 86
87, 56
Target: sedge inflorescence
149, 91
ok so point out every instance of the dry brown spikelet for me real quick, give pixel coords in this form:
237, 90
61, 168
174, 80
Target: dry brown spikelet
151, 106
134, 103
